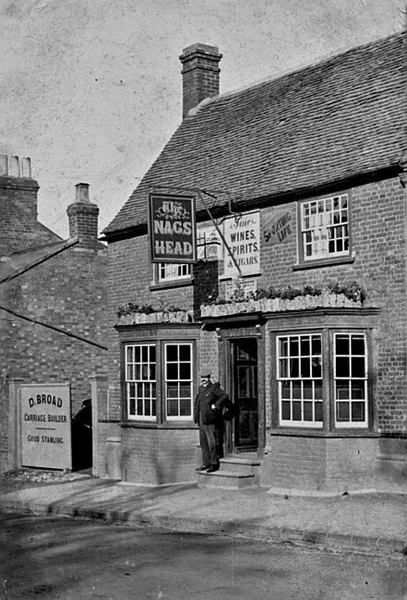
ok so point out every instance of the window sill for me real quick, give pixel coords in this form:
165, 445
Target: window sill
166, 285
326, 262
154, 425
309, 432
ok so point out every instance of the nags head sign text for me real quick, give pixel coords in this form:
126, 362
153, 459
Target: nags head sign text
172, 228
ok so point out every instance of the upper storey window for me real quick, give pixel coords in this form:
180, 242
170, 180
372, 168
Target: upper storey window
325, 228
173, 272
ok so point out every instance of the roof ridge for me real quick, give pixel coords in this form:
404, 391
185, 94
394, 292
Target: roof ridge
290, 73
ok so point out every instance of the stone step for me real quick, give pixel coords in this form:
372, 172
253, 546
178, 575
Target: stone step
227, 479
239, 465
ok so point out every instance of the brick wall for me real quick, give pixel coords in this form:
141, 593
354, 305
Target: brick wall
19, 228
68, 291
158, 456
378, 244
320, 464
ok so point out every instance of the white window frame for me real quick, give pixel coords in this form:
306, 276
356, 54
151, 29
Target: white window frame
169, 272
284, 379
325, 228
186, 382
142, 383
208, 243
351, 424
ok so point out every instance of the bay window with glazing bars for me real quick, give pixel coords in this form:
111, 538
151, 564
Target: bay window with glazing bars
150, 394
323, 373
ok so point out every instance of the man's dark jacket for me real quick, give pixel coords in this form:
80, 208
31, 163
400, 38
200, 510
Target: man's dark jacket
207, 396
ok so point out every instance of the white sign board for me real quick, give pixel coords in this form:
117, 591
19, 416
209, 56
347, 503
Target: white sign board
242, 234
46, 426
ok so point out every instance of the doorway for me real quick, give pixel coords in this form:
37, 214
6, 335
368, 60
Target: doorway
245, 394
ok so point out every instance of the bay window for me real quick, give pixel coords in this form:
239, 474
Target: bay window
159, 381
323, 380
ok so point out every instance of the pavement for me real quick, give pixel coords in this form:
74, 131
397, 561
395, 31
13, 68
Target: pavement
367, 523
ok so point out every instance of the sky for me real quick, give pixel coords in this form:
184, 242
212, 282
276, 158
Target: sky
91, 90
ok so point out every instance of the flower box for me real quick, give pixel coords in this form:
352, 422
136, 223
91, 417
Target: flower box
324, 300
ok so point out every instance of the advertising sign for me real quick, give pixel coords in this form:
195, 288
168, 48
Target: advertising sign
172, 228
242, 236
46, 426
277, 228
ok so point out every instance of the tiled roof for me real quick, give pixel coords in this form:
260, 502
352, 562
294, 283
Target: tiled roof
329, 122
19, 262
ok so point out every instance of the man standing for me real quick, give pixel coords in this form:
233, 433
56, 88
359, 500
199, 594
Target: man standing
208, 415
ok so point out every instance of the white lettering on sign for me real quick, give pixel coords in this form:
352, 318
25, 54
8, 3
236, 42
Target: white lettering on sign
242, 236
172, 228
46, 426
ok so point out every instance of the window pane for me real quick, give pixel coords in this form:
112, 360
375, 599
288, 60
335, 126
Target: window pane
172, 408
358, 367
358, 411
358, 345
172, 390
305, 345
185, 391
185, 352
294, 367
358, 390
316, 367
296, 389
172, 371
307, 390
342, 344
342, 411
172, 352
342, 367
285, 412
318, 411
305, 367
308, 411
318, 390
284, 367
296, 411
284, 347
185, 408
342, 390
285, 391
294, 346
185, 371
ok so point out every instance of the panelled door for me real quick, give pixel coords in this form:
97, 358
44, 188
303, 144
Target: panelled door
245, 393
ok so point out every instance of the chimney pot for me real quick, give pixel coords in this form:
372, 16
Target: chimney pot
82, 192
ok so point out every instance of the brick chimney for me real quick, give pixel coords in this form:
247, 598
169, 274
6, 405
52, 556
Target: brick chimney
83, 214
200, 74
19, 228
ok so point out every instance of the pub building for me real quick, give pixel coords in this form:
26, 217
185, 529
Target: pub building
268, 241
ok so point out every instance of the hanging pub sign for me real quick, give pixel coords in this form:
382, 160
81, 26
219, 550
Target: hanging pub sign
172, 228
